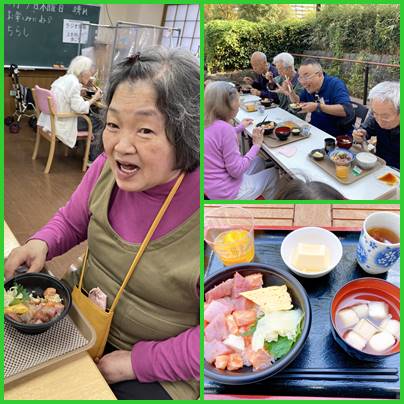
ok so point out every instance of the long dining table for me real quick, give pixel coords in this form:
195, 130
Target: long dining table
74, 378
297, 161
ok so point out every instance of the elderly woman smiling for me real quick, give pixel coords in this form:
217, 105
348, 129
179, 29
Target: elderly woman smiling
67, 90
383, 122
151, 140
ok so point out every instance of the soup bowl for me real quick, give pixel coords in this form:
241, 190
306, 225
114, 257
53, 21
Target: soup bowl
282, 132
365, 289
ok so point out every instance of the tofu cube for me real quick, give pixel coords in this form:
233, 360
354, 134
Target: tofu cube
235, 342
378, 310
355, 340
311, 257
382, 341
348, 317
365, 329
391, 326
362, 310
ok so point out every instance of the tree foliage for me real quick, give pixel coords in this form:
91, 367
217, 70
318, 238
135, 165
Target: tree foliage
337, 28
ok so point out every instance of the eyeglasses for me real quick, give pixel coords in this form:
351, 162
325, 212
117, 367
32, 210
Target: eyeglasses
308, 77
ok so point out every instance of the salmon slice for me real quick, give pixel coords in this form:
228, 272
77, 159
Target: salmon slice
231, 325
260, 359
221, 361
244, 317
235, 362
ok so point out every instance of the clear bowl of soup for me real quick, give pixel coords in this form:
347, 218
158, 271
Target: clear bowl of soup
365, 319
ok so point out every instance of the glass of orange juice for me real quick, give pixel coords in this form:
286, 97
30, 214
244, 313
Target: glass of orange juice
229, 230
342, 170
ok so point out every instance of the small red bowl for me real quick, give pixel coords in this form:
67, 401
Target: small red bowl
344, 142
372, 289
282, 132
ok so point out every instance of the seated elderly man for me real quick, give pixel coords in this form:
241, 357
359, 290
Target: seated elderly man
326, 97
261, 67
383, 122
285, 81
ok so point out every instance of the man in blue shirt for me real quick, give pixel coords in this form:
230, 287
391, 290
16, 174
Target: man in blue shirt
383, 122
326, 97
261, 67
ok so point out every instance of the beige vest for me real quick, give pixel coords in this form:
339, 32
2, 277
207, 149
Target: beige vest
160, 300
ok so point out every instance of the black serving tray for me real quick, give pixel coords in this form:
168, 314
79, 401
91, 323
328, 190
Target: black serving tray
322, 369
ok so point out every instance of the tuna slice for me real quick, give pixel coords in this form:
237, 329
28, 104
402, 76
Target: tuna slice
240, 284
214, 308
215, 348
217, 329
219, 291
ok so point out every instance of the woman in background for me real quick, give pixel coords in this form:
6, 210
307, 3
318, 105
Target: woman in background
228, 174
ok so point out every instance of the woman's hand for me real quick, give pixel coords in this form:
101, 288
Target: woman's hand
32, 254
117, 366
285, 88
246, 122
258, 136
359, 135
97, 96
254, 91
269, 76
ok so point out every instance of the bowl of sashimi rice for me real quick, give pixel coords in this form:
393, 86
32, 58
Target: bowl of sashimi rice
256, 322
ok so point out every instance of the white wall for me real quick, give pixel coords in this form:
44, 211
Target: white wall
141, 13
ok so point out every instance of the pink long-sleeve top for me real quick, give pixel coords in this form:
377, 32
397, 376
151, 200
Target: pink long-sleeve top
176, 358
224, 165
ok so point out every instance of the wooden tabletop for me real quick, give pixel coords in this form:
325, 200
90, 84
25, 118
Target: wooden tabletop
10, 241
76, 378
339, 216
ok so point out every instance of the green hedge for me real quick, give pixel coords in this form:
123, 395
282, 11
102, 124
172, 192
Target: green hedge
373, 29
229, 44
340, 29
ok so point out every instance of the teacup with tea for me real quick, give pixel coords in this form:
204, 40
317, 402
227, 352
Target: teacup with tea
379, 243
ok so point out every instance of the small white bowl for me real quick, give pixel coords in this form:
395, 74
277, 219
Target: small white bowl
311, 235
366, 160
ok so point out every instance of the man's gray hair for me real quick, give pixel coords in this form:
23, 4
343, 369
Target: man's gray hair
174, 75
286, 59
219, 96
260, 55
386, 91
79, 65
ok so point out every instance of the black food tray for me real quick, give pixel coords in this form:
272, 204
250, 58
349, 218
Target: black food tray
322, 369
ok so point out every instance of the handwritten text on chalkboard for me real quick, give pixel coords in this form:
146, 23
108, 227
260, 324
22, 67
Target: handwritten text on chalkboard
22, 18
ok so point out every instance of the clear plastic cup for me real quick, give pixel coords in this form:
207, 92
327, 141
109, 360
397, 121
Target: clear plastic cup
229, 231
342, 170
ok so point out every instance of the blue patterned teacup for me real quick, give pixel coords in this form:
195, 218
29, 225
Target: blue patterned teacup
377, 257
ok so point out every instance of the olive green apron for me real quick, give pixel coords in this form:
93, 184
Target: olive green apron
160, 300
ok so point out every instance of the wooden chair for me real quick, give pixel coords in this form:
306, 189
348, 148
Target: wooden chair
45, 102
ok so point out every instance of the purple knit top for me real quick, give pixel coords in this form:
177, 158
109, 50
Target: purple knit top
224, 165
176, 358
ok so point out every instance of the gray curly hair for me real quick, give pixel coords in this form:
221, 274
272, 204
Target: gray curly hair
174, 75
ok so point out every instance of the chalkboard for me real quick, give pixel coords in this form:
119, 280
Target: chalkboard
42, 35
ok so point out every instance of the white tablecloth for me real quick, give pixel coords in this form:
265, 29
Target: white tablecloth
366, 188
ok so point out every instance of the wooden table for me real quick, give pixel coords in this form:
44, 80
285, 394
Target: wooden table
340, 217
76, 378
10, 241
366, 188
